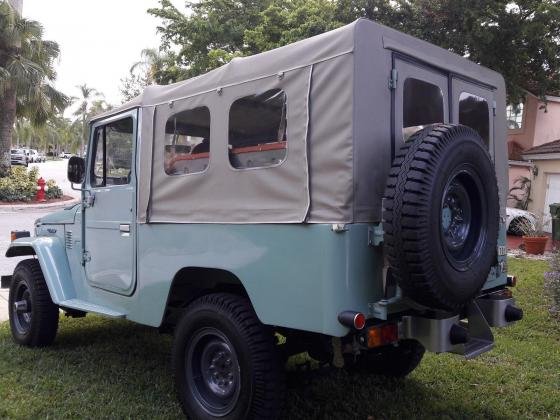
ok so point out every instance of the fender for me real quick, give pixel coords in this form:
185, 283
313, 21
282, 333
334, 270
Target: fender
52, 257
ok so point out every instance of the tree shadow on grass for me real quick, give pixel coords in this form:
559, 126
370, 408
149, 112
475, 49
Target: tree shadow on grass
329, 393
113, 368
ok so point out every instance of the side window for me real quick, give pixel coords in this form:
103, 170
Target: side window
257, 130
112, 148
422, 106
187, 142
474, 113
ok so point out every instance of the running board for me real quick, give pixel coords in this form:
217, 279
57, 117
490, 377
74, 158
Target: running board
84, 306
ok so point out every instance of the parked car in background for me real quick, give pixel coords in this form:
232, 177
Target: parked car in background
65, 155
517, 220
19, 157
41, 157
33, 155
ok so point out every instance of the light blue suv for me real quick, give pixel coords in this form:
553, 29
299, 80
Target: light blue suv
342, 196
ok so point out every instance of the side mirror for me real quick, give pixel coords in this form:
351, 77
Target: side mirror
76, 170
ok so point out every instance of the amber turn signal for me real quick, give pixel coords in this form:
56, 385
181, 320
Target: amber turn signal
382, 335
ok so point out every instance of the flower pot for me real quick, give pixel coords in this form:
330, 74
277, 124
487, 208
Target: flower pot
535, 244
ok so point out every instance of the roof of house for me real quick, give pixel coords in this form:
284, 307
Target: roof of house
550, 147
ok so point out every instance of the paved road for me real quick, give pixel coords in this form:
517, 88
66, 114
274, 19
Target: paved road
23, 220
19, 220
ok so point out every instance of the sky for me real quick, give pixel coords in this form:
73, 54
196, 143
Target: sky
99, 40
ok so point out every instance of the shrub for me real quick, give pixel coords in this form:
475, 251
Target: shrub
53, 190
19, 185
552, 284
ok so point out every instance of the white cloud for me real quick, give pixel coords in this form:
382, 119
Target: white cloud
99, 40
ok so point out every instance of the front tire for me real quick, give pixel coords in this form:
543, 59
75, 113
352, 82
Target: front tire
33, 315
225, 361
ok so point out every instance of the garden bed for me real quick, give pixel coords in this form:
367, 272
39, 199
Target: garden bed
116, 369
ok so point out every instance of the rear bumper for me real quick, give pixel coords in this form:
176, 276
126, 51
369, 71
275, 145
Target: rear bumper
468, 334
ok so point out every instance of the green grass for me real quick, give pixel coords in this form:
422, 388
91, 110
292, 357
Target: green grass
101, 368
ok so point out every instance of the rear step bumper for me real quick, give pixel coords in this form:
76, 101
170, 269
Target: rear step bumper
469, 336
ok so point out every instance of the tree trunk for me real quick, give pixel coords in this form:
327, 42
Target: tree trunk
7, 119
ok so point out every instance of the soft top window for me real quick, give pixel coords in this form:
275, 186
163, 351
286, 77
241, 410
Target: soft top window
257, 130
187, 142
422, 106
474, 113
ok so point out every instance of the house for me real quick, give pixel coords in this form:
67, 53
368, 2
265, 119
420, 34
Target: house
534, 150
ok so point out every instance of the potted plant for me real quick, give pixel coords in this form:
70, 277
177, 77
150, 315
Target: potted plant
534, 236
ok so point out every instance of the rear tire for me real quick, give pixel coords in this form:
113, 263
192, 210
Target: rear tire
225, 361
33, 315
393, 361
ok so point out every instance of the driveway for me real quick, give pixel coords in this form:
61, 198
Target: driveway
14, 220
23, 218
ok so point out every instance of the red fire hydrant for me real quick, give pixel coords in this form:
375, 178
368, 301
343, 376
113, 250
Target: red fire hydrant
41, 190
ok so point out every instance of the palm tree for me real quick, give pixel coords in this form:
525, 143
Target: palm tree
88, 96
26, 74
152, 64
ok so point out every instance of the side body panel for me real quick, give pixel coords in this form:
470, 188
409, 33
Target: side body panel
297, 276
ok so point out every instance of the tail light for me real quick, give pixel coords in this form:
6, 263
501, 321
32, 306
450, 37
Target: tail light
381, 335
352, 319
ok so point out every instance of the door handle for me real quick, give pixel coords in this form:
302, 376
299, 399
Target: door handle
124, 229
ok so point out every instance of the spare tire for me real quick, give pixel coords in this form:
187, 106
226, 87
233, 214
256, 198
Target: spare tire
441, 216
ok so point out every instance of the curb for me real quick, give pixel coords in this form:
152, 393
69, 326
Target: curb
10, 208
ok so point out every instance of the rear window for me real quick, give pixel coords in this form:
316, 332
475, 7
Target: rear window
257, 130
422, 106
474, 113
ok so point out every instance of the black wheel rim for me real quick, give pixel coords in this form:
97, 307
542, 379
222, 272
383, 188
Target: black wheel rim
21, 309
462, 217
212, 371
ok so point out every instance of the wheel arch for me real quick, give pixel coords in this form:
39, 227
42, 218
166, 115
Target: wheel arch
190, 283
53, 260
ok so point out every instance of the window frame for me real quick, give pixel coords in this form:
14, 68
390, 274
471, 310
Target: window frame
209, 108
91, 153
482, 91
255, 93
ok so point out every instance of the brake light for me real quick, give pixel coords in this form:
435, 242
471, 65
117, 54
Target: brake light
359, 321
382, 335
352, 319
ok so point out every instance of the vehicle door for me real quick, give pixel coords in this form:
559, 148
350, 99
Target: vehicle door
109, 217
420, 98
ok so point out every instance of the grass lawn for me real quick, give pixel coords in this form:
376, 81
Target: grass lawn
101, 368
